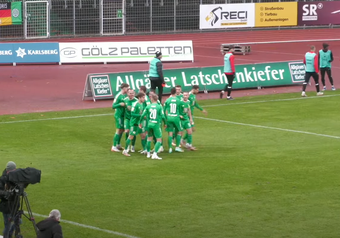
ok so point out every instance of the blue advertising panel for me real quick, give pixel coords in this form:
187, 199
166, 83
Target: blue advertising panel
36, 52
29, 53
6, 53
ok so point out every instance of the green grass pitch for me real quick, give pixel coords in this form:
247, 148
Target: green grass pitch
266, 166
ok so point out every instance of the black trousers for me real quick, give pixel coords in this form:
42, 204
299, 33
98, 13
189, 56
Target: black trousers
228, 87
329, 74
314, 75
157, 83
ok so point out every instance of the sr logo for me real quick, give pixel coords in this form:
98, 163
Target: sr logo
69, 52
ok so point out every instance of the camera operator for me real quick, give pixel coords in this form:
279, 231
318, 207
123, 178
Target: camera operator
5, 204
50, 227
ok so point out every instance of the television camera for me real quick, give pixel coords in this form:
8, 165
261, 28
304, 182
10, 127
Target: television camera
16, 182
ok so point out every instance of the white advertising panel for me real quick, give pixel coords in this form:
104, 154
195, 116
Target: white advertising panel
227, 15
142, 51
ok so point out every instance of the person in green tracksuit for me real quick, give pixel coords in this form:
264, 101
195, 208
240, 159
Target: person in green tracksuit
325, 63
119, 106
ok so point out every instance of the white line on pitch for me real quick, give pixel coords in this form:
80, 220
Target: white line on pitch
91, 227
269, 127
216, 105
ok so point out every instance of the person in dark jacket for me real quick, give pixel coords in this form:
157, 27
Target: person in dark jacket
50, 227
4, 205
156, 74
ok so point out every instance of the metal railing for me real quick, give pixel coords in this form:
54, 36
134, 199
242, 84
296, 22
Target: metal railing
76, 18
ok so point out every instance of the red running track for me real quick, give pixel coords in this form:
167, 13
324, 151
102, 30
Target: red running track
39, 88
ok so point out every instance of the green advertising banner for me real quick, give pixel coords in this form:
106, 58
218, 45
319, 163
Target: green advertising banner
208, 78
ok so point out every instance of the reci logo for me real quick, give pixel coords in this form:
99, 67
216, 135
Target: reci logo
227, 15
275, 14
318, 13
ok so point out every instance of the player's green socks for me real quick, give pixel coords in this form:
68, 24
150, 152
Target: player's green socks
144, 143
126, 136
170, 141
157, 146
186, 136
148, 146
178, 140
115, 140
134, 141
119, 138
128, 141
189, 139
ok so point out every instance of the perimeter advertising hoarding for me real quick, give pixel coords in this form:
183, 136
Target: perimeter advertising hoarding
142, 51
42, 52
275, 14
227, 15
318, 13
208, 78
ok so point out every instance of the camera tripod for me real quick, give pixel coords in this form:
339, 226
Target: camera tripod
17, 211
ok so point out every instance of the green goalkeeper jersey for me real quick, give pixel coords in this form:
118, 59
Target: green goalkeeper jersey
136, 113
154, 115
119, 98
171, 106
193, 103
128, 106
184, 110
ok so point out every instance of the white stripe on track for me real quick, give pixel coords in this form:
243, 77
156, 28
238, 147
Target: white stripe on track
269, 127
216, 105
90, 227
274, 100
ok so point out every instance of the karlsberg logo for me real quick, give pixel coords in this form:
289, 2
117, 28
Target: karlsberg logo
213, 17
68, 52
22, 52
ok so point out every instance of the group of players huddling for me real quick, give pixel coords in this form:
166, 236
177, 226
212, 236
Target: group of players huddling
144, 114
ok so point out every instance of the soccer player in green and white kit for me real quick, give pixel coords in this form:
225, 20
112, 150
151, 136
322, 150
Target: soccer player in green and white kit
192, 98
179, 95
119, 105
171, 109
154, 116
193, 104
128, 101
185, 115
136, 112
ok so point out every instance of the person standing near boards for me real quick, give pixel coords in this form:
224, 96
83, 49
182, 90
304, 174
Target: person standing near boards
229, 71
312, 69
156, 74
325, 61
